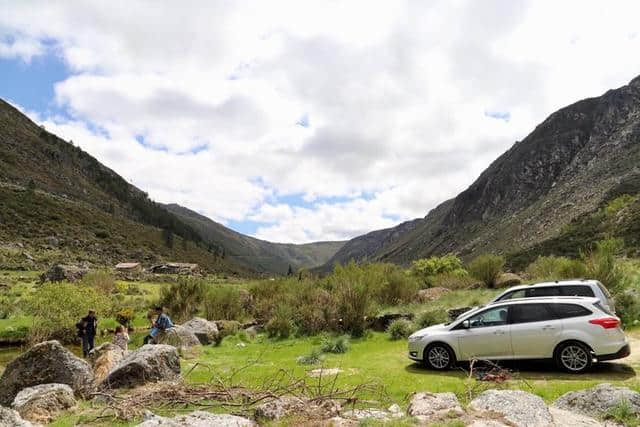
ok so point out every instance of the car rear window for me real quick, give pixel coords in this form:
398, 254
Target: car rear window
565, 311
577, 291
545, 291
525, 313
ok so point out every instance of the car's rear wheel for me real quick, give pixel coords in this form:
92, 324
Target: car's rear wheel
439, 357
574, 357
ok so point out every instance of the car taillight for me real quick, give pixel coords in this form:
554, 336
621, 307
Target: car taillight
607, 322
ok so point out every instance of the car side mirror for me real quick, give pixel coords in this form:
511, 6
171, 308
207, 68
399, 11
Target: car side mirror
466, 324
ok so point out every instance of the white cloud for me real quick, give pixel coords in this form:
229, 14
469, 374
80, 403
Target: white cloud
396, 94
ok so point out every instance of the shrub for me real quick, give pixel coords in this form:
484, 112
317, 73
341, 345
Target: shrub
396, 286
427, 268
337, 345
399, 329
315, 310
57, 307
280, 326
125, 317
353, 288
601, 263
452, 280
314, 357
487, 268
227, 328
101, 280
432, 317
627, 307
121, 288
223, 303
555, 268
183, 299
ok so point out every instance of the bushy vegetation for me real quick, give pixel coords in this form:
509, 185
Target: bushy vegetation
400, 329
601, 263
556, 268
280, 325
430, 270
223, 303
622, 414
314, 357
57, 307
337, 345
183, 299
487, 268
431, 317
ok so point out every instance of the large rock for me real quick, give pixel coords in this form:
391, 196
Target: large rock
103, 359
204, 330
178, 337
507, 279
562, 417
42, 403
11, 418
59, 272
45, 363
596, 400
149, 363
197, 419
434, 407
518, 407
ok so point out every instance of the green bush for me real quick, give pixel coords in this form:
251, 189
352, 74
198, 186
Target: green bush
125, 317
353, 288
627, 307
223, 303
57, 307
458, 279
432, 317
314, 357
556, 268
487, 268
395, 286
427, 268
601, 263
183, 299
399, 329
227, 328
101, 280
280, 326
336, 345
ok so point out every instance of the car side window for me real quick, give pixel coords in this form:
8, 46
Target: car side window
526, 313
577, 291
547, 291
512, 295
494, 317
565, 311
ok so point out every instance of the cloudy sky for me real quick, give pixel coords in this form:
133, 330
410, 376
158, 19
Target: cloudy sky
299, 121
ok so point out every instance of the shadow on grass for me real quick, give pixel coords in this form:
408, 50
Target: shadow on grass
538, 370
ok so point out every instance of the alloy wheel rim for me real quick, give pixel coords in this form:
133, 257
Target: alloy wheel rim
439, 357
574, 358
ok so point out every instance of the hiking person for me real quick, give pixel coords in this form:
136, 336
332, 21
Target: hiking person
161, 324
121, 338
87, 331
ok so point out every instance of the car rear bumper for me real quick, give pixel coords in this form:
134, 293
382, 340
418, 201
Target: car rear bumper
623, 352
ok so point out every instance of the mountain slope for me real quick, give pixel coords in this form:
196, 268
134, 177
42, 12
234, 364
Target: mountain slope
31, 157
574, 162
258, 254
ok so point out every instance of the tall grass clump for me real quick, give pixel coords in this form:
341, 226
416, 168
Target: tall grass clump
101, 280
556, 267
338, 345
223, 303
183, 299
487, 268
431, 317
399, 329
395, 285
281, 325
601, 263
314, 357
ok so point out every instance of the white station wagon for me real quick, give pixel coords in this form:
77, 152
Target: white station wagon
573, 331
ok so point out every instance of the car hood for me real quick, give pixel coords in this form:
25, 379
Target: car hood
429, 330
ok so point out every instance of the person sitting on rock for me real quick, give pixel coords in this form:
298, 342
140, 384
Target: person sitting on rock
121, 338
161, 324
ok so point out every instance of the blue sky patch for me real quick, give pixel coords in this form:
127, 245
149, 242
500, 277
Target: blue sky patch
304, 121
500, 115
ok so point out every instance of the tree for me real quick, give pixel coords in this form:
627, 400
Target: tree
167, 235
290, 271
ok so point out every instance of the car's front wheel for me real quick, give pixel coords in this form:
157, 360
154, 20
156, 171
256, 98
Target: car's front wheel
574, 357
439, 357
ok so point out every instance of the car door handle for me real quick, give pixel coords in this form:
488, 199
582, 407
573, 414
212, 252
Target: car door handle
498, 332
548, 327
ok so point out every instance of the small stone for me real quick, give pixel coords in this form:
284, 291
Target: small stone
434, 407
11, 418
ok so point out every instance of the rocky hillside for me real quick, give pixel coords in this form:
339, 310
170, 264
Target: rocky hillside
258, 254
52, 190
572, 164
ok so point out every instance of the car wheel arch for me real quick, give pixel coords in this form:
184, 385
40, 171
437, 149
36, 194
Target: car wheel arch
444, 344
569, 341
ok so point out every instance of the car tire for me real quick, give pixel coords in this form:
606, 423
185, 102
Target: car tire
574, 357
438, 357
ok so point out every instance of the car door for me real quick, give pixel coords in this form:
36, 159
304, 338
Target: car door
487, 336
535, 330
